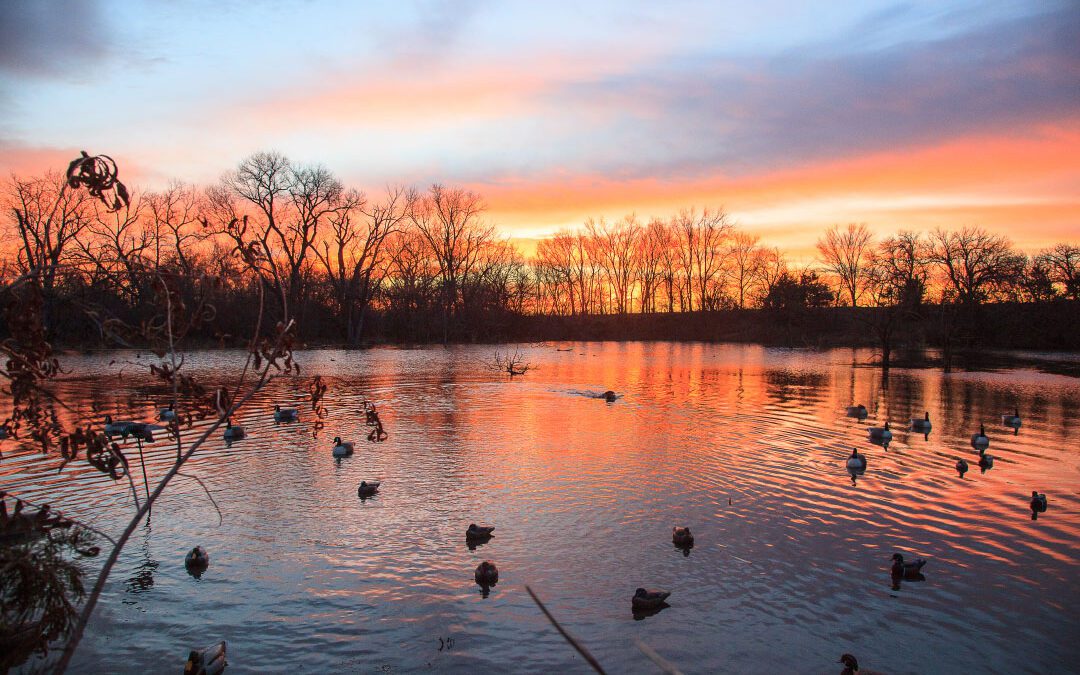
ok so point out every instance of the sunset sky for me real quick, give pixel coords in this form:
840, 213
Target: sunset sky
791, 115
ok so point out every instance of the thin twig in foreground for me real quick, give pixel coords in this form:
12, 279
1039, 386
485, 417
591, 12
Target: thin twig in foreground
569, 638
660, 661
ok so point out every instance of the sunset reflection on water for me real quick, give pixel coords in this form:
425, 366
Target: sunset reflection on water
787, 576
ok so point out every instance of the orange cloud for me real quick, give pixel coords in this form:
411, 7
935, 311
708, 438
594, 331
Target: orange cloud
1026, 186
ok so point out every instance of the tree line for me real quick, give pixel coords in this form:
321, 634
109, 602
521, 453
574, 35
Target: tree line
426, 265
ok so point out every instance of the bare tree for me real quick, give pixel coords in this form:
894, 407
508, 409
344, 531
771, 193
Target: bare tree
845, 253
1063, 263
743, 253
974, 263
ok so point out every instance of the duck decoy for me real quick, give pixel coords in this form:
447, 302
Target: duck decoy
851, 666
232, 433
856, 462
979, 440
167, 414
857, 411
478, 532
922, 425
1038, 504
117, 428
985, 461
341, 448
486, 574
609, 396
907, 570
197, 559
1012, 420
367, 489
681, 536
285, 414
880, 434
961, 466
648, 599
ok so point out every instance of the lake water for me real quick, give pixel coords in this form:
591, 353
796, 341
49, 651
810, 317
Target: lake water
746, 445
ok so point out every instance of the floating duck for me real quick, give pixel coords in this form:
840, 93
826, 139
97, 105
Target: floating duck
851, 666
167, 414
1038, 502
922, 425
232, 433
478, 532
961, 466
980, 440
197, 559
116, 428
856, 462
649, 599
486, 574
367, 489
609, 396
907, 570
985, 461
880, 434
142, 431
680, 536
285, 414
207, 661
1012, 420
341, 448
857, 411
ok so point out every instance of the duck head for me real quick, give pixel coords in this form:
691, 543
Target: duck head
927, 418
849, 661
886, 426
108, 419
854, 453
337, 440
640, 593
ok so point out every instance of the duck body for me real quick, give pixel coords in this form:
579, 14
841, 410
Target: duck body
167, 414
681, 536
478, 532
1012, 420
985, 461
609, 396
342, 448
880, 434
197, 558
1038, 502
851, 666
367, 489
232, 433
117, 428
856, 462
857, 411
907, 570
922, 424
142, 431
961, 467
285, 414
648, 598
486, 574
979, 440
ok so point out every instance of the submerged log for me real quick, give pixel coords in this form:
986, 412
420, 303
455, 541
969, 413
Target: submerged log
207, 661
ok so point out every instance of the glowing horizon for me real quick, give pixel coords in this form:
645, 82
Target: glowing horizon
791, 116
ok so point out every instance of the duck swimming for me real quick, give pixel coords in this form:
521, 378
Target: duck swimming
285, 414
857, 411
649, 599
486, 574
961, 466
880, 434
232, 433
478, 532
922, 425
609, 396
1012, 420
341, 448
985, 461
367, 489
856, 462
116, 428
907, 570
851, 666
167, 414
197, 558
1038, 502
980, 440
680, 536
